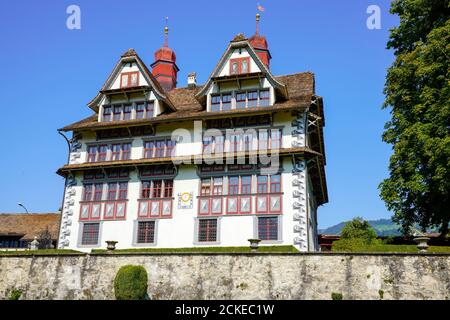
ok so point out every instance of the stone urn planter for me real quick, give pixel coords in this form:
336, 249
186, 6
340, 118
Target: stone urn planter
422, 244
254, 244
111, 245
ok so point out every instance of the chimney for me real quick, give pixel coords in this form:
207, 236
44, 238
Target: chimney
192, 80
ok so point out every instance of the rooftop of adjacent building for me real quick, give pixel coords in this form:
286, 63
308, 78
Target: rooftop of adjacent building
28, 225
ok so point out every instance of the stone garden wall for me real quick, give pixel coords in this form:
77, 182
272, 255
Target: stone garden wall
233, 276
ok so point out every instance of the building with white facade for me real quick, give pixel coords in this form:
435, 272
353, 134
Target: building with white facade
240, 157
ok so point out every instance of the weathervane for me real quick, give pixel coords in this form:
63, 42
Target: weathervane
261, 9
166, 33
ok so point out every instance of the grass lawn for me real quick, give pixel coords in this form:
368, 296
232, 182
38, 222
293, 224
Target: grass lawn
279, 249
38, 252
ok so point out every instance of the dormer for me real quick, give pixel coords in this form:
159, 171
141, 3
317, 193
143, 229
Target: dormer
240, 80
130, 93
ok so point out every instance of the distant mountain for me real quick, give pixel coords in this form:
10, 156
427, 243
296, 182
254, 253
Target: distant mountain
383, 227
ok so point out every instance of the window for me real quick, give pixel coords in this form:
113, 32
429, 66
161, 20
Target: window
98, 191
146, 187
129, 79
246, 184
149, 110
226, 101
146, 232
244, 66
87, 195
205, 187
268, 228
148, 149
218, 144
239, 65
215, 103
207, 230
170, 151
140, 108
235, 143
127, 112
217, 185
275, 139
107, 113
241, 100
156, 191
263, 139
262, 184
252, 99
92, 153
168, 187
90, 234
150, 171
112, 191
248, 142
123, 190
102, 150
264, 98
159, 148
233, 185
117, 113
115, 152
134, 79
207, 145
275, 183
234, 67
126, 151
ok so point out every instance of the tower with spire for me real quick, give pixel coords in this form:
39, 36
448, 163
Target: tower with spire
164, 68
260, 45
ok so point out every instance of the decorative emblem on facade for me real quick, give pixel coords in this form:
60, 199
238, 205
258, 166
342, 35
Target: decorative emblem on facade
185, 200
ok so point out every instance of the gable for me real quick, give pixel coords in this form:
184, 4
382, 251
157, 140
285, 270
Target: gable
240, 49
130, 64
238, 55
127, 71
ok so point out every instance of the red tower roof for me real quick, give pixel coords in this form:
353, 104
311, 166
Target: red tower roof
259, 43
164, 69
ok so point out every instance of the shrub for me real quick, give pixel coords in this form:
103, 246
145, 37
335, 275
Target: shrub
131, 283
336, 296
15, 294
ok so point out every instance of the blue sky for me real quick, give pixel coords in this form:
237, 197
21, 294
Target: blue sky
52, 72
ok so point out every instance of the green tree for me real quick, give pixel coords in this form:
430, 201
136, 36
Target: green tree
359, 228
355, 236
417, 91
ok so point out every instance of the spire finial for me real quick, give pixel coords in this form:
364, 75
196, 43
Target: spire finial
166, 33
257, 23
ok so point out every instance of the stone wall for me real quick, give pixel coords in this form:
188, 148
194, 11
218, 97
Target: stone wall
233, 276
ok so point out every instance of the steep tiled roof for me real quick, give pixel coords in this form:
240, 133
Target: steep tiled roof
300, 87
29, 225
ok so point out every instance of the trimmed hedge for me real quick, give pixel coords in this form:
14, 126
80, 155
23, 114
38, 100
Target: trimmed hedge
131, 283
359, 245
276, 249
38, 252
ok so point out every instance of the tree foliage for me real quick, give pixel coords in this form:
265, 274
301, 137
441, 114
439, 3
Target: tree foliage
358, 228
45, 239
417, 92
355, 235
